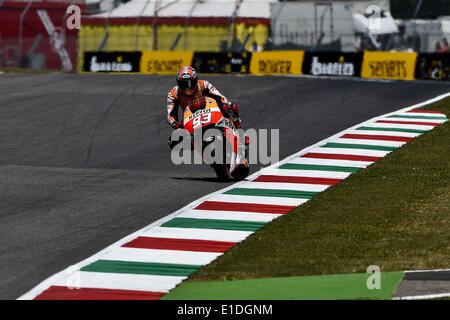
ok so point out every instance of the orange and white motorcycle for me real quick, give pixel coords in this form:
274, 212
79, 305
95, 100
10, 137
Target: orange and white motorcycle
223, 144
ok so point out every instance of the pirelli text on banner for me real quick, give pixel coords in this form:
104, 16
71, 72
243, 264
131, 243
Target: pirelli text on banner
332, 63
165, 62
276, 62
114, 61
389, 65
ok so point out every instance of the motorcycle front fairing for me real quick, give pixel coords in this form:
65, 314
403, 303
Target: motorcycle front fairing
211, 117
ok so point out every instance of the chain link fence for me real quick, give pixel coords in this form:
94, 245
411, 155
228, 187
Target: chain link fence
192, 25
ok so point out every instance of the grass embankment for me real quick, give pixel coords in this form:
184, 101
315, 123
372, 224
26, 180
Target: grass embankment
394, 214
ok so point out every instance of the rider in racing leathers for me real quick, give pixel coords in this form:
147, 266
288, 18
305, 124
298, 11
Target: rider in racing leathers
191, 92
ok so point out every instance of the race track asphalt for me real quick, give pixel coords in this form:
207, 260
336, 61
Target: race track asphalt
84, 158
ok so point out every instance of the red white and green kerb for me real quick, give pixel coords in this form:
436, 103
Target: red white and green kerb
152, 261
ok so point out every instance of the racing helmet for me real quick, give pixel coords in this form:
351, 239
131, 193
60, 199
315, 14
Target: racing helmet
187, 79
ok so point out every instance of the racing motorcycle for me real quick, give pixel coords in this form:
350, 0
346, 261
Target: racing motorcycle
232, 150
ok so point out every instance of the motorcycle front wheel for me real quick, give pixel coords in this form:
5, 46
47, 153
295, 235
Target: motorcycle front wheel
222, 171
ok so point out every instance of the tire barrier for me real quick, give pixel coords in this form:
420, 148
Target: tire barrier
367, 64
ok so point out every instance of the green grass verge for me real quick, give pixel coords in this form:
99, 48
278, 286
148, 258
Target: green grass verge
329, 287
394, 214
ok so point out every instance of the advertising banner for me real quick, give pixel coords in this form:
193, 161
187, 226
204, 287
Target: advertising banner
433, 66
165, 62
332, 64
111, 61
276, 62
221, 62
389, 65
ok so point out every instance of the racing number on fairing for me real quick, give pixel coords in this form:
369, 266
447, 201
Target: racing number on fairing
201, 119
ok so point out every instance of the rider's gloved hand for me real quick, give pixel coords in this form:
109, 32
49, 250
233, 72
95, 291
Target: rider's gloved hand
177, 125
231, 108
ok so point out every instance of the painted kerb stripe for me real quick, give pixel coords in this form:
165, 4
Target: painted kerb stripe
179, 244
65, 293
391, 129
409, 122
272, 193
161, 269
358, 146
425, 111
340, 157
295, 166
213, 224
245, 207
376, 137
417, 117
304, 180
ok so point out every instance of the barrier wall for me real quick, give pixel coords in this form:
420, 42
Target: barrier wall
214, 62
389, 65
369, 65
433, 66
277, 62
332, 64
112, 61
164, 62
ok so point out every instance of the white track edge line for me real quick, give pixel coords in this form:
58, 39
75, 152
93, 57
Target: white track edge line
423, 297
431, 270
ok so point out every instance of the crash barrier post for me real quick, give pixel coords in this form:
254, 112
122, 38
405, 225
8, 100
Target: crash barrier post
389, 65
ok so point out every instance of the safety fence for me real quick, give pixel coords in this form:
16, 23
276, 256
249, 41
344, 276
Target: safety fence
172, 34
367, 64
33, 35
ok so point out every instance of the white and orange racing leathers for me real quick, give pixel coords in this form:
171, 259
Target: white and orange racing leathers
176, 99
